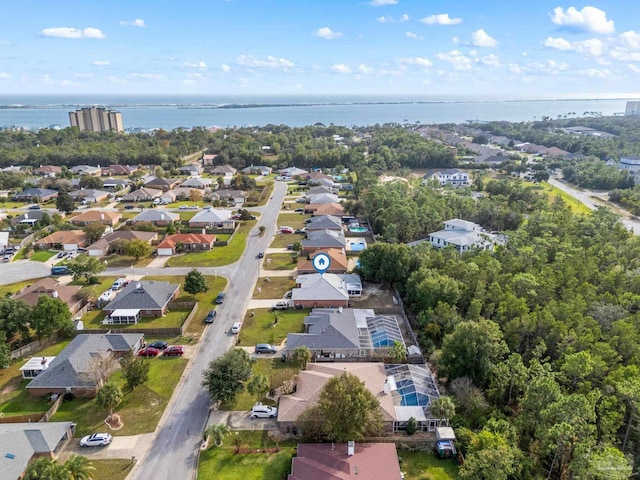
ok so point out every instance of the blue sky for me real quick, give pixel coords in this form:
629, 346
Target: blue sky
426, 47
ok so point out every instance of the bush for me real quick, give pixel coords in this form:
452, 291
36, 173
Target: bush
411, 426
94, 280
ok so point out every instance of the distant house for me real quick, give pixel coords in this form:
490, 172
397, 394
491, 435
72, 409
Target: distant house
95, 216
158, 217
257, 170
73, 369
33, 194
31, 217
451, 176
51, 288
25, 442
141, 195
293, 172
197, 182
224, 171
208, 159
90, 196
4, 240
324, 222
114, 184
463, 235
493, 160
163, 184
630, 164
317, 239
319, 209
212, 217
338, 257
86, 170
185, 242
102, 247
316, 178
193, 170
115, 170
150, 297
323, 198
48, 171
66, 239
342, 461
233, 197
327, 290
317, 190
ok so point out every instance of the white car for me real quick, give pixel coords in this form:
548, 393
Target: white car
263, 411
96, 440
235, 329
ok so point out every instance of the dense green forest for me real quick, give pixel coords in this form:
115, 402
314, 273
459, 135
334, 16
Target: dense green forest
538, 343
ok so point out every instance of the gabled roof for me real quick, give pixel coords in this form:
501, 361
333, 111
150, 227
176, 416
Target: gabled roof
95, 194
329, 329
144, 295
114, 182
257, 168
197, 182
318, 190
143, 193
223, 169
292, 171
50, 287
324, 238
104, 242
162, 182
71, 367
338, 257
64, 237
323, 198
96, 216
156, 215
314, 286
211, 215
170, 241
85, 169
325, 209
325, 222
37, 192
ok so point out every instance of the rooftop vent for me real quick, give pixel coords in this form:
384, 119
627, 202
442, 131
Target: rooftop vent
351, 448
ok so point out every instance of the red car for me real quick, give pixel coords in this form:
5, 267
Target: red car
286, 230
174, 350
148, 352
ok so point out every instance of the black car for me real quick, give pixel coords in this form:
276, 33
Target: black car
261, 255
220, 298
211, 316
160, 345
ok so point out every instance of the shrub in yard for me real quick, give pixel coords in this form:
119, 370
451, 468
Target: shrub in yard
411, 426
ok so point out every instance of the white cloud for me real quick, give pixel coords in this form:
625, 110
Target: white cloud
490, 60
201, 65
362, 68
83, 75
147, 76
382, 3
75, 33
524, 54
189, 81
269, 62
195, 75
138, 22
415, 36
595, 73
4, 75
457, 59
118, 80
589, 19
385, 19
558, 44
327, 33
421, 61
625, 56
592, 47
440, 19
404, 17
630, 40
515, 68
341, 68
633, 68
101, 63
225, 68
455, 40
480, 38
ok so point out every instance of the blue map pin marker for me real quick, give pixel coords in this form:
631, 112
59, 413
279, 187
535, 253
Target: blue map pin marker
321, 262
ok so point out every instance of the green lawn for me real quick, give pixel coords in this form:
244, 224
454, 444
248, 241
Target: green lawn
293, 220
266, 194
281, 240
280, 261
425, 466
552, 192
114, 469
42, 255
173, 318
115, 260
276, 371
140, 410
14, 287
222, 463
276, 287
218, 256
260, 328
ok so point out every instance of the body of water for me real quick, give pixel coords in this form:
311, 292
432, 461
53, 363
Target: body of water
36, 111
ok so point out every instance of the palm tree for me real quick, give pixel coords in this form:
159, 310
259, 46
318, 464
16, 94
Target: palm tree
303, 355
443, 408
79, 468
217, 432
109, 397
46, 469
399, 352
258, 385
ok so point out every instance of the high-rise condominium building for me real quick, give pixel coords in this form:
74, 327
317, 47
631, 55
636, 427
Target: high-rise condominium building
96, 119
633, 108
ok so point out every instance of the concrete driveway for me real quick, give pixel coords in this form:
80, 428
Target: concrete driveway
121, 447
241, 421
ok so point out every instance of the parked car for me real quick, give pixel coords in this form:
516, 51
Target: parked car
160, 345
129, 207
281, 305
301, 200
148, 352
61, 255
220, 298
235, 329
34, 207
265, 348
211, 316
173, 351
286, 229
301, 230
299, 210
263, 411
96, 440
288, 294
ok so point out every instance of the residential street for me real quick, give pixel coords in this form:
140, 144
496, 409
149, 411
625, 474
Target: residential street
174, 448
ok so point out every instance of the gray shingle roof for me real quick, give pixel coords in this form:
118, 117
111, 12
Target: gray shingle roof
324, 238
152, 295
155, 215
325, 222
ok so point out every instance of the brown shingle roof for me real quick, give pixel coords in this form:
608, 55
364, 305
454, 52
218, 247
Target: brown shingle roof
170, 241
64, 236
338, 258
97, 216
47, 286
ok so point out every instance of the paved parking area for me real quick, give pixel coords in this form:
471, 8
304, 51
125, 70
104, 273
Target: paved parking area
121, 447
241, 421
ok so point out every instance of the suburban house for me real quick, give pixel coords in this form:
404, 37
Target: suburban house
197, 182
492, 159
450, 176
149, 298
317, 239
212, 217
403, 391
114, 184
141, 195
338, 257
86, 170
346, 461
115, 170
224, 171
257, 170
324, 222
322, 198
315, 178
234, 197
318, 209
630, 164
24, 442
90, 196
66, 239
208, 159
156, 216
35, 366
325, 290
185, 242
319, 189
463, 235
94, 216
163, 184
102, 247
193, 170
293, 172
73, 369
48, 171
36, 194
332, 334
50, 287
31, 217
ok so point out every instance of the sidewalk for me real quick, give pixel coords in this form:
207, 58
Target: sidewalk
278, 273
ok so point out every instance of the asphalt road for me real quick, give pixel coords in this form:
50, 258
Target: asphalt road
174, 449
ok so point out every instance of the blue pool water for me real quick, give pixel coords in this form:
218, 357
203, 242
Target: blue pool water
358, 247
358, 229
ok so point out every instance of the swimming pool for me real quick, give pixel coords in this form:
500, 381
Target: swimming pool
358, 247
358, 229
